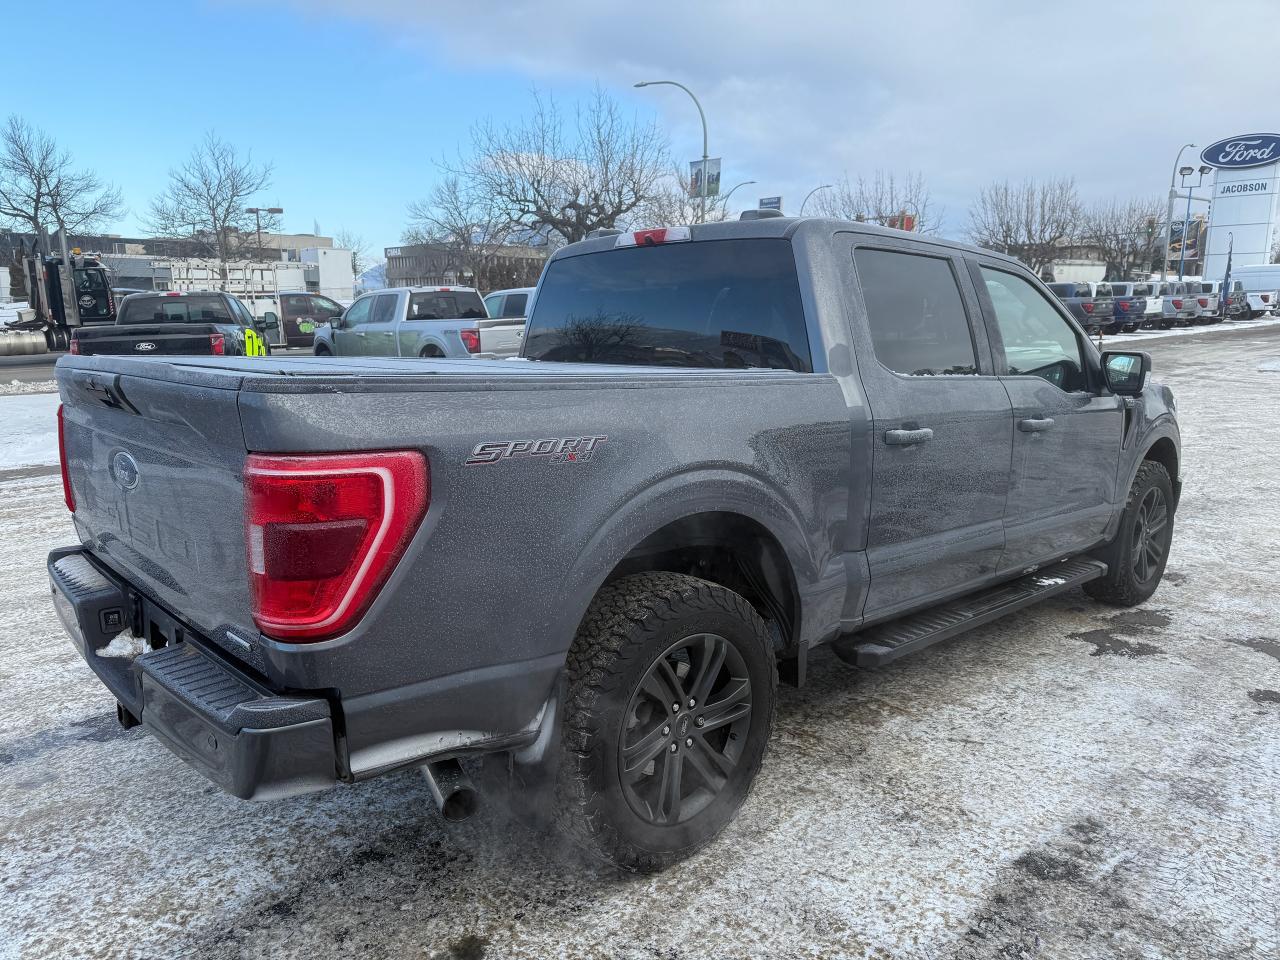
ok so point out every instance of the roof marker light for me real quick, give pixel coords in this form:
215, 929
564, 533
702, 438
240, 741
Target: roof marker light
652, 238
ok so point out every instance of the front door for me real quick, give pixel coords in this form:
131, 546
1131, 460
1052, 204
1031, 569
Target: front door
349, 334
942, 444
380, 338
1067, 431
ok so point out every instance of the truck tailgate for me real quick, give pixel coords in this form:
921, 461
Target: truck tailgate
136, 339
502, 338
155, 467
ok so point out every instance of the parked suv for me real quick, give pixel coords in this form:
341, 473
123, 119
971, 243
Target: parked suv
731, 443
1090, 311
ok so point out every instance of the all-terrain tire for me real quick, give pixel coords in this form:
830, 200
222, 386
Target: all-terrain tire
631, 625
1122, 586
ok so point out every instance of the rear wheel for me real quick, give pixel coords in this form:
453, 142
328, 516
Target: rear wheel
672, 682
1136, 557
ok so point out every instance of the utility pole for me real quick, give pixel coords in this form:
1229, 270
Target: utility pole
702, 186
1168, 222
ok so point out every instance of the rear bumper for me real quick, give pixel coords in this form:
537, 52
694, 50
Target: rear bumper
252, 742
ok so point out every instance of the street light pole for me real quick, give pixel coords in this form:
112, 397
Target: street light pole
1186, 224
1168, 220
825, 186
702, 187
257, 219
726, 197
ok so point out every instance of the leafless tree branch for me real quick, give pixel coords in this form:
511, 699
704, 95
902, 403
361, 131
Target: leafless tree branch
1032, 220
884, 196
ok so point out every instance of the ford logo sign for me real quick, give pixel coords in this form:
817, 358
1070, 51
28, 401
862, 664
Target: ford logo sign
124, 470
145, 346
1251, 150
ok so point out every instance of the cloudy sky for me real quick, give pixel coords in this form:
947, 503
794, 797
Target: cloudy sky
355, 100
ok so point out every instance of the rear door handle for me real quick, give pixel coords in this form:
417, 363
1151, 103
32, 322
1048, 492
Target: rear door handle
903, 437
1032, 425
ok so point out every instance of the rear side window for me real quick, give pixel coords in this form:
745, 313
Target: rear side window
188, 309
712, 303
453, 305
384, 308
514, 307
916, 314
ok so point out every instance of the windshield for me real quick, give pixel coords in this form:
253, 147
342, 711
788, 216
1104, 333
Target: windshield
188, 309
718, 303
90, 280
453, 305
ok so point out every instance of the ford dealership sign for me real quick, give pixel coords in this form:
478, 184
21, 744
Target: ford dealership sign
1251, 150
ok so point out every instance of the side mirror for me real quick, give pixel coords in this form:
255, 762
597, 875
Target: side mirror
270, 320
1126, 372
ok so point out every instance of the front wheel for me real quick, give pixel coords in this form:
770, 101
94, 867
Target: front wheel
1136, 557
671, 696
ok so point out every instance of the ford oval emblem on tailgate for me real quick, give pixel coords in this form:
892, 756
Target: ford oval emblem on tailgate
145, 345
124, 470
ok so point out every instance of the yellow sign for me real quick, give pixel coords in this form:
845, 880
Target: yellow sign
254, 345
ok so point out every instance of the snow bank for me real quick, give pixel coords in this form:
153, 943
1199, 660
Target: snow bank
1223, 327
28, 430
1270, 365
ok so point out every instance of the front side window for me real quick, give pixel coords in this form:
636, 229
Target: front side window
1038, 341
709, 303
359, 313
916, 314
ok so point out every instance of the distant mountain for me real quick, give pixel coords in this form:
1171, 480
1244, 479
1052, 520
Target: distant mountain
375, 278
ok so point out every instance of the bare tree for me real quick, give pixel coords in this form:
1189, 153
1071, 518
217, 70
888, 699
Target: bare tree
1126, 233
878, 200
561, 177
350, 240
205, 202
1033, 220
474, 228
41, 191
671, 203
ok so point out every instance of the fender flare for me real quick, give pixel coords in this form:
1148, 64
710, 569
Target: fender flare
676, 497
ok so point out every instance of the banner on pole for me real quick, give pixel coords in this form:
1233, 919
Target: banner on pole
710, 175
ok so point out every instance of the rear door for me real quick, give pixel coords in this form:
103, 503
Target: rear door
942, 435
1066, 432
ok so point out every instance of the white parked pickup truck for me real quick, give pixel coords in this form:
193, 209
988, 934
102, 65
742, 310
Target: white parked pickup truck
503, 334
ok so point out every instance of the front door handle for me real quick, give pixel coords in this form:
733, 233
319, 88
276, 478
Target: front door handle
1032, 425
904, 437
360, 333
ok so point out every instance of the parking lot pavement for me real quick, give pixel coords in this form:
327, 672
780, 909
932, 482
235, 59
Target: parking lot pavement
1072, 782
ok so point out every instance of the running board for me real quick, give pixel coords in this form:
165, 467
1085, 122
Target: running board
887, 642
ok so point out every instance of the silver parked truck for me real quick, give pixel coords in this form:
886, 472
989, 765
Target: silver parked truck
575, 582
417, 322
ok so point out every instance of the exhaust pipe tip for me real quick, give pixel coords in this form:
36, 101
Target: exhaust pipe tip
455, 795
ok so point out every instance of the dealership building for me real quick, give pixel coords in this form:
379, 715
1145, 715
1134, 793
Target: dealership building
1244, 201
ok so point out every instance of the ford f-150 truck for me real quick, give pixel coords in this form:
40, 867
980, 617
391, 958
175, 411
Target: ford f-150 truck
584, 573
199, 323
418, 322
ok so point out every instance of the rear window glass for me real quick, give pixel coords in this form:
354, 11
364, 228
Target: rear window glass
1141, 290
1063, 289
1104, 290
454, 305
191, 309
713, 303
1082, 290
916, 314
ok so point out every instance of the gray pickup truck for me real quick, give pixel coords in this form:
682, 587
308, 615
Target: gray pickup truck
583, 574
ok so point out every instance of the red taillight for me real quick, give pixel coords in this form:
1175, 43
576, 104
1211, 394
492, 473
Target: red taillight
470, 340
217, 344
74, 348
1203, 301
1124, 305
68, 495
1177, 304
324, 533
1088, 307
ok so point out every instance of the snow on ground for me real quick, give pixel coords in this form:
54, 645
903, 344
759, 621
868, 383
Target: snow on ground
1270, 365
1074, 782
34, 386
1223, 327
28, 430
9, 311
